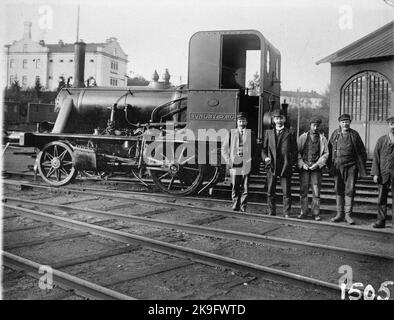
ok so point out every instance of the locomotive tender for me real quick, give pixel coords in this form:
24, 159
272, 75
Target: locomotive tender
165, 133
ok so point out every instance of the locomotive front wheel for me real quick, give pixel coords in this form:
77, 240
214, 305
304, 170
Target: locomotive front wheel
179, 180
55, 164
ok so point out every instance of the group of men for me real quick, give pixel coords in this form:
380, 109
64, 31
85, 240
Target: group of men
344, 155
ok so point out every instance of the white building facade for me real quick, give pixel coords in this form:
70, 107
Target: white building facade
26, 60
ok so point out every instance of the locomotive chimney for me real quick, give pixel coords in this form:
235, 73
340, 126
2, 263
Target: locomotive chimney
27, 30
79, 60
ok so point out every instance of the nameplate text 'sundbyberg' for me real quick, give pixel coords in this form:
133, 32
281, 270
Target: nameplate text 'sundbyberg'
212, 116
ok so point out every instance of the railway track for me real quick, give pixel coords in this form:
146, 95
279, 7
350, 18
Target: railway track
197, 256
201, 230
362, 209
81, 287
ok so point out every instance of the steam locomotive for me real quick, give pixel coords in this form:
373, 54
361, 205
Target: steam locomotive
165, 133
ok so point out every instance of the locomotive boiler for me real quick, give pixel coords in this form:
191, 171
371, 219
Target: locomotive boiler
174, 135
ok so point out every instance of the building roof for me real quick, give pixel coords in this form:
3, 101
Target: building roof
377, 44
301, 94
69, 47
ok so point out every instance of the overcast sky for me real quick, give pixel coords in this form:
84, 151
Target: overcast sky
155, 34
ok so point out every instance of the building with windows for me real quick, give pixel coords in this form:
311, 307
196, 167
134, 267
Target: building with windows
304, 99
27, 60
362, 78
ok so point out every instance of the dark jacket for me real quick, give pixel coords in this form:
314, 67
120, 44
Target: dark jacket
287, 148
358, 146
383, 160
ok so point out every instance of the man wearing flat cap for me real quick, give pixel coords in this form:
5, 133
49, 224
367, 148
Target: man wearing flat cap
347, 161
237, 152
312, 157
383, 172
279, 153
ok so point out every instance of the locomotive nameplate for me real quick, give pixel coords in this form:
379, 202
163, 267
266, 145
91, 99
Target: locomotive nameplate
212, 116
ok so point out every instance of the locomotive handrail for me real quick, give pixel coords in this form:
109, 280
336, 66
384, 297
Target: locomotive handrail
173, 112
165, 105
131, 89
159, 124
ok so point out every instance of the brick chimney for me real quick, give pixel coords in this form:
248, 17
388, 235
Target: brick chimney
27, 30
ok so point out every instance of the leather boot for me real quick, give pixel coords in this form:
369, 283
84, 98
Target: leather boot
271, 203
379, 224
340, 209
304, 208
349, 210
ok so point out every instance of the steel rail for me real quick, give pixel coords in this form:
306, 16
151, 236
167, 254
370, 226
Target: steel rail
367, 184
125, 195
179, 251
80, 286
255, 189
205, 231
323, 208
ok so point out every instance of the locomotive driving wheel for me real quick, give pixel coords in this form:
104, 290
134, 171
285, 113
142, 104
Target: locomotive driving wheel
178, 179
55, 164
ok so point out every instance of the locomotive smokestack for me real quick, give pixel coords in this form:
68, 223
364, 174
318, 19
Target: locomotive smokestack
27, 30
79, 60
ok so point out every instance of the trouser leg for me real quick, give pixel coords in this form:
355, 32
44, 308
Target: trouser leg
271, 185
244, 196
382, 203
340, 197
286, 188
350, 187
316, 187
235, 191
304, 187
392, 199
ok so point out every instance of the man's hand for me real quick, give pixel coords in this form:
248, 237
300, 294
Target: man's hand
376, 179
305, 167
267, 161
314, 166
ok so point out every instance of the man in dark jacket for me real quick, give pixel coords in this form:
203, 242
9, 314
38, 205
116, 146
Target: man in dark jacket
347, 161
383, 172
279, 153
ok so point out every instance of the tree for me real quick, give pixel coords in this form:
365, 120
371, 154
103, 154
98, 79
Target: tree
62, 83
38, 88
137, 81
14, 91
254, 85
307, 113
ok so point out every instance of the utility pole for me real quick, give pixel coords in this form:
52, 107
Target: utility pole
298, 112
78, 25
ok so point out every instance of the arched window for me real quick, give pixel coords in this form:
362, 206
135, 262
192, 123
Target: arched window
379, 97
366, 97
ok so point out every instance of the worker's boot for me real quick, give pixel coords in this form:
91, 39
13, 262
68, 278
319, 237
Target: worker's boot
304, 208
349, 210
340, 209
271, 203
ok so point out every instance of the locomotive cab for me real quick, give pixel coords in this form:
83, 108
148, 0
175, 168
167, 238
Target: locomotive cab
232, 72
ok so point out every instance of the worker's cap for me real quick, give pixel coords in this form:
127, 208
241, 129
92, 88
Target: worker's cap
390, 118
278, 113
316, 120
344, 117
242, 116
